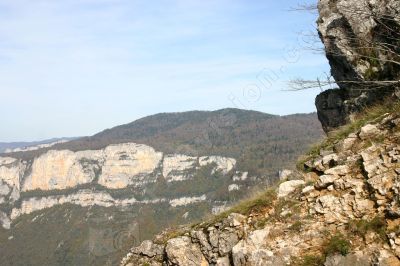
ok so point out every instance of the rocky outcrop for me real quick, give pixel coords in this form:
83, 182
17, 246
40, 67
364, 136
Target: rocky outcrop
361, 39
223, 164
187, 200
178, 167
350, 191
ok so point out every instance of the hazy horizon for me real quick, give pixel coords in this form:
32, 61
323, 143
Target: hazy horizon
74, 68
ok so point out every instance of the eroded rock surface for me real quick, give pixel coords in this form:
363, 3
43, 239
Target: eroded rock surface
128, 164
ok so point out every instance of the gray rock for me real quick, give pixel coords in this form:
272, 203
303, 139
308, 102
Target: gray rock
235, 219
4, 189
227, 239
326, 180
330, 159
369, 131
331, 111
285, 174
349, 260
340, 170
344, 27
224, 261
289, 187
148, 249
182, 252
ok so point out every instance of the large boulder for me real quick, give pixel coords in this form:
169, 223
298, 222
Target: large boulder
361, 39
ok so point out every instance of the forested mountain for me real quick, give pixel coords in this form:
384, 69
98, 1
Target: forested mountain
262, 143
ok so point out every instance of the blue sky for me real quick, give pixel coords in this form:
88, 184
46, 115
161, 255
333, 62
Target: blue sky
76, 67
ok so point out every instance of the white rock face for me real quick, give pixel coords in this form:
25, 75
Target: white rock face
58, 170
87, 198
118, 166
4, 189
83, 198
11, 171
187, 200
240, 176
223, 164
233, 187
5, 220
177, 166
126, 164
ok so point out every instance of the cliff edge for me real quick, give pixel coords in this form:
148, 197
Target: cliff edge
362, 44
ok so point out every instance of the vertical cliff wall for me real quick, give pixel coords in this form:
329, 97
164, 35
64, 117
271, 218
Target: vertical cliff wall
362, 43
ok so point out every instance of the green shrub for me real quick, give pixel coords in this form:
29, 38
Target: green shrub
296, 227
337, 244
362, 227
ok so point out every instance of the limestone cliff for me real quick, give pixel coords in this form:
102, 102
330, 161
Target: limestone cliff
342, 209
115, 167
361, 39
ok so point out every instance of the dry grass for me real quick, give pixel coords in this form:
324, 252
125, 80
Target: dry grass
255, 204
369, 115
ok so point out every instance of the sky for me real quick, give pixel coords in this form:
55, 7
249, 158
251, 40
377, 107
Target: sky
76, 67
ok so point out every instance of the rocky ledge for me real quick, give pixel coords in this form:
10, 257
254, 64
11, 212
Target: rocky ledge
343, 209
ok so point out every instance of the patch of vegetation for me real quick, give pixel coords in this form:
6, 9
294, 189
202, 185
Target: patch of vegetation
337, 244
253, 205
362, 227
311, 260
291, 206
296, 227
